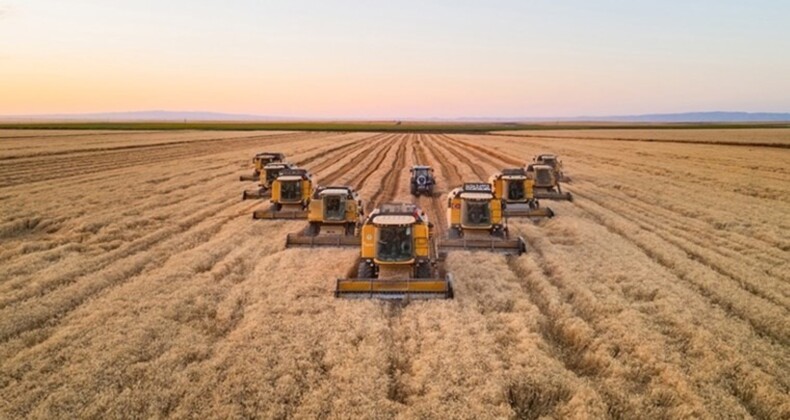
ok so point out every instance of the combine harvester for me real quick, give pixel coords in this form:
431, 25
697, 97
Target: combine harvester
545, 184
291, 193
398, 258
271, 171
477, 222
335, 214
259, 161
517, 191
555, 163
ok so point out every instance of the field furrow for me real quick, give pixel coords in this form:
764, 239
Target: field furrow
134, 282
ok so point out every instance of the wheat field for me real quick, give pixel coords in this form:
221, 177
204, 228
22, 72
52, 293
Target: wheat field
134, 282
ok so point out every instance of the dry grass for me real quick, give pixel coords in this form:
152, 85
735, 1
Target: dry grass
133, 283
777, 136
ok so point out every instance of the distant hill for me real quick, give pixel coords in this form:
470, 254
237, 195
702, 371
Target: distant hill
687, 117
684, 117
145, 116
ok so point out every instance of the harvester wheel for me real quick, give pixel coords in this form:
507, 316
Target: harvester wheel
365, 270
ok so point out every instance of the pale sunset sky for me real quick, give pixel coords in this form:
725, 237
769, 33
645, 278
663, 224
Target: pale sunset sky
394, 59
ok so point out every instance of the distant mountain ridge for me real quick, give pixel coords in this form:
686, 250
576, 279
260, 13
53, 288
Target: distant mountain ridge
158, 115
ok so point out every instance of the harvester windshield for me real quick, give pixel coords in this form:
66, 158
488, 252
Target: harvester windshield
394, 243
334, 207
291, 190
477, 213
515, 190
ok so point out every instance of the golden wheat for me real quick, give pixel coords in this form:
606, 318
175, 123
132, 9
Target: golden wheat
134, 283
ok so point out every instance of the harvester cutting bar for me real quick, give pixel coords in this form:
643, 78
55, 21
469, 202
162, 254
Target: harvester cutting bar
282, 214
255, 194
297, 240
408, 289
526, 211
252, 177
550, 195
507, 246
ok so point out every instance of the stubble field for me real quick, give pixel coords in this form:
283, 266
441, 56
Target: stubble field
134, 282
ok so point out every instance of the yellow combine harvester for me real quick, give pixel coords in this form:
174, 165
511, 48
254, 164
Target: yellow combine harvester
259, 161
291, 193
555, 163
517, 190
270, 173
398, 258
545, 183
334, 214
476, 222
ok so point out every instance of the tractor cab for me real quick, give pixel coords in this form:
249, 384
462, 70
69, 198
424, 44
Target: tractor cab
422, 180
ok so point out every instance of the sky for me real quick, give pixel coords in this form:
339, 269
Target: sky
385, 59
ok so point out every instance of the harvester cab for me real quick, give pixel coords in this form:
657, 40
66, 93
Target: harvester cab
398, 258
513, 186
476, 222
291, 193
545, 183
334, 214
555, 163
259, 161
270, 173
422, 180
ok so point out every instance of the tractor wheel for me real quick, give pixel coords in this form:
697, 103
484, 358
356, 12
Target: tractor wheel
365, 270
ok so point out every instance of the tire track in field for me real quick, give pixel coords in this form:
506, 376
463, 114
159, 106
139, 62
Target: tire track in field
679, 189
434, 203
127, 147
199, 184
391, 181
740, 306
547, 398
488, 153
566, 336
88, 164
656, 225
117, 257
39, 170
561, 321
693, 243
196, 184
359, 157
626, 139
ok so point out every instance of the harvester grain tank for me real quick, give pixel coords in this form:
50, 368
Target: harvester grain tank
398, 258
545, 183
291, 193
259, 161
334, 215
517, 191
270, 172
476, 221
